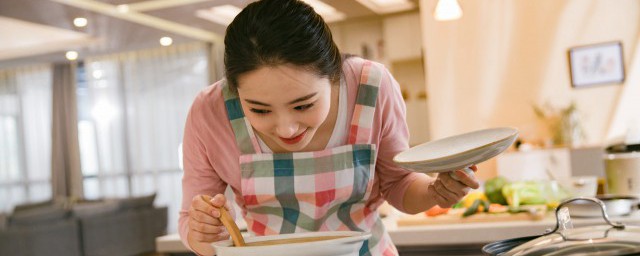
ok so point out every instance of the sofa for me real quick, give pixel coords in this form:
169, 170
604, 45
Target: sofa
126, 226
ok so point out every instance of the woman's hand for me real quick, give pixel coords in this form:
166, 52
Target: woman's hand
447, 190
204, 219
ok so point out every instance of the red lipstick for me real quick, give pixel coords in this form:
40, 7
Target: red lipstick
295, 139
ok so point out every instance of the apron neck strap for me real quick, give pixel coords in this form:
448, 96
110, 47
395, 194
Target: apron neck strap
245, 138
362, 121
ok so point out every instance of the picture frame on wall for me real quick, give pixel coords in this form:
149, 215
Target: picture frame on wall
596, 64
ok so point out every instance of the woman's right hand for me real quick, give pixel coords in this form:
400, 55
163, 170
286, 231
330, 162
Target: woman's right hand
204, 218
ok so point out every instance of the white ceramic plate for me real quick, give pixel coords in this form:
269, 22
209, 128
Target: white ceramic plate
349, 245
457, 152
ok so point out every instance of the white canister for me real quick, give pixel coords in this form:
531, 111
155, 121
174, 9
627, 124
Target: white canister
623, 173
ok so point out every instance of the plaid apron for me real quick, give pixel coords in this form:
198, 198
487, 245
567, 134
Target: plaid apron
323, 190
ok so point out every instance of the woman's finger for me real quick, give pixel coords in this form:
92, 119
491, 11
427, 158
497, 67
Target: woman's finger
445, 192
452, 185
440, 200
209, 238
205, 228
465, 178
203, 216
201, 203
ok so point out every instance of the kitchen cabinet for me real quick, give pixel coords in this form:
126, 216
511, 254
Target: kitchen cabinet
402, 37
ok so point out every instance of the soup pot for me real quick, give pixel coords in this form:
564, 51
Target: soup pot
615, 205
610, 239
330, 243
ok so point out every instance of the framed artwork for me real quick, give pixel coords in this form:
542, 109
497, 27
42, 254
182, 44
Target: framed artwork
596, 64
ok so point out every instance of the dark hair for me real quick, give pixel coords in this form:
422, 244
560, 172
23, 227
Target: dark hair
276, 32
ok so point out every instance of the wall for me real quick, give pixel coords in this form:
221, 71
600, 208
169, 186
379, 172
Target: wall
355, 35
488, 68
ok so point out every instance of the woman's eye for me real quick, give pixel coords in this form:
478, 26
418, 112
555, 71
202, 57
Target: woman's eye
303, 107
260, 111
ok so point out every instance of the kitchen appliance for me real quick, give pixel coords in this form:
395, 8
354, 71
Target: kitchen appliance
622, 169
611, 239
337, 243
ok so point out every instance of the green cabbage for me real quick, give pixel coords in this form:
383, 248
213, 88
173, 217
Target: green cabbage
524, 192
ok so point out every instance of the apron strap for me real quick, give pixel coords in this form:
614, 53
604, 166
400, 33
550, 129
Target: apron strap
362, 121
245, 138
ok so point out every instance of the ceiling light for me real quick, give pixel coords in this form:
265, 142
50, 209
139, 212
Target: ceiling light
80, 22
387, 6
223, 14
97, 74
71, 55
447, 10
328, 13
166, 41
122, 8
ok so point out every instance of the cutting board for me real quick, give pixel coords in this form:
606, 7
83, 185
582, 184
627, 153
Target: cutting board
422, 219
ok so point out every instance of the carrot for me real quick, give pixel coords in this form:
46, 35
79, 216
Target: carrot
436, 210
497, 208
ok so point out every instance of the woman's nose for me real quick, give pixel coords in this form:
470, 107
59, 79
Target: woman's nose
286, 128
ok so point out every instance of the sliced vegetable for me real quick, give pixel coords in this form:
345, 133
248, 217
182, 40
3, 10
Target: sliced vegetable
436, 210
493, 190
485, 206
524, 192
457, 205
468, 200
472, 209
498, 208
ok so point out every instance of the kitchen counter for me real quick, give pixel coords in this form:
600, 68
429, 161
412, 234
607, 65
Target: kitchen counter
447, 236
485, 232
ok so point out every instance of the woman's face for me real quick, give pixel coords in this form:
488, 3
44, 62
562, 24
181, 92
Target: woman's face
285, 104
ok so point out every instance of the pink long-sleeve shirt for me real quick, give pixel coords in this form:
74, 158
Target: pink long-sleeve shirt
210, 153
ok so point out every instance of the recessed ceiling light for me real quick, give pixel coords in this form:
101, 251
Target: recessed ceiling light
387, 6
328, 13
71, 55
166, 41
122, 8
223, 14
80, 22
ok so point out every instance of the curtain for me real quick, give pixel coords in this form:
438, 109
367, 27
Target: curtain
25, 136
65, 163
132, 111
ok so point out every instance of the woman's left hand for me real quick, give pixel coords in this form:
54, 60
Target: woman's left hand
447, 191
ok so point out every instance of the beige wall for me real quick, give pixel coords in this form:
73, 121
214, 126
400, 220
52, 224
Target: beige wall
488, 68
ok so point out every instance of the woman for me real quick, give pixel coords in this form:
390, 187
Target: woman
303, 136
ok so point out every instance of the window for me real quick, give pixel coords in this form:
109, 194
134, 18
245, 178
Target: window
131, 113
25, 136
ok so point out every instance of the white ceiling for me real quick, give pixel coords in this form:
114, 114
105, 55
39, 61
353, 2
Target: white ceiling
42, 30
20, 39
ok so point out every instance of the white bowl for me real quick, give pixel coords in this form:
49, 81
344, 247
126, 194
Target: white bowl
348, 245
580, 185
457, 152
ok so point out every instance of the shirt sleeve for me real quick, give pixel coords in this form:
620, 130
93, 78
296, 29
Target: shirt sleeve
394, 138
199, 177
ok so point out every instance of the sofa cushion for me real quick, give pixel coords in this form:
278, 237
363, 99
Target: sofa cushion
87, 209
137, 202
38, 215
3, 221
30, 206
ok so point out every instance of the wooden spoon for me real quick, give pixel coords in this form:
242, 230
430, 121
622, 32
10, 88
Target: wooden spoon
231, 226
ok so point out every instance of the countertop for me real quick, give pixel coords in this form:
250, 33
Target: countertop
447, 234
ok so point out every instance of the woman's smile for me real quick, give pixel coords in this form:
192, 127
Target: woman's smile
295, 139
